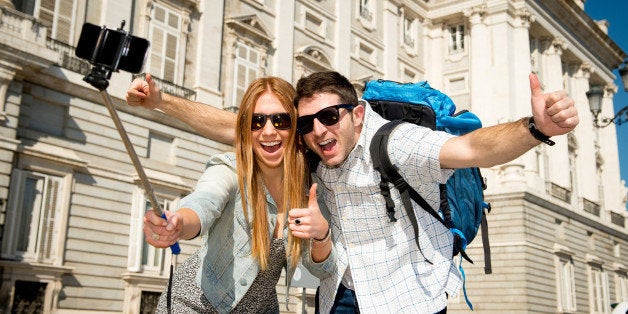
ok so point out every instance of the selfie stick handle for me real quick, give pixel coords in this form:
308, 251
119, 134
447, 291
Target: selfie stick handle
136, 163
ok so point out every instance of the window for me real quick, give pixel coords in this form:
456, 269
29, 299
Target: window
46, 117
153, 258
56, 15
365, 52
621, 289
35, 212
247, 66
144, 257
315, 24
149, 301
456, 39
165, 32
161, 147
366, 10
28, 297
565, 284
598, 289
409, 31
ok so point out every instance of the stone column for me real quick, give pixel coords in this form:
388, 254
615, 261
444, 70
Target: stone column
607, 147
344, 45
391, 39
480, 69
520, 104
513, 174
209, 53
586, 178
552, 80
435, 47
283, 44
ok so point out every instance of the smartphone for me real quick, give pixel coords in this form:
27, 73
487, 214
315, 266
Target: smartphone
113, 49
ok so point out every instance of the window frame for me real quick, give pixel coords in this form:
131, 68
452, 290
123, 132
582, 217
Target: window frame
166, 29
53, 255
457, 37
565, 284
139, 250
248, 66
599, 295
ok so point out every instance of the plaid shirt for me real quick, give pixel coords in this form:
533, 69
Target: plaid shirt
389, 273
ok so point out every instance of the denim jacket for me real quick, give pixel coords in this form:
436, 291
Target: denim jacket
228, 268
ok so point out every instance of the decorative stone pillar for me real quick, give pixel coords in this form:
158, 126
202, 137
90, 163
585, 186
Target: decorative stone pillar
479, 80
529, 166
283, 59
208, 37
552, 79
390, 17
433, 57
520, 106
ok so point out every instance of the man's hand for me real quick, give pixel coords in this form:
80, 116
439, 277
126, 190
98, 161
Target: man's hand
308, 223
554, 113
144, 93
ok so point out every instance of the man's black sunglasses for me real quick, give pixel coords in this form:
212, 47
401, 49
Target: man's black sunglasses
281, 121
327, 116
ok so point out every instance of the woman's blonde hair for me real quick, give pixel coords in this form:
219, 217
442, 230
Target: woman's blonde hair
248, 172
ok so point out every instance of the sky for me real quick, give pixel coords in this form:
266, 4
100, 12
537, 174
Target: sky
615, 13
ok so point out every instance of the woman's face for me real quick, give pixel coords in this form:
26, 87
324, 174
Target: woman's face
269, 141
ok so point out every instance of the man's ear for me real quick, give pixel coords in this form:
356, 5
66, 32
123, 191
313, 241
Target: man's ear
358, 114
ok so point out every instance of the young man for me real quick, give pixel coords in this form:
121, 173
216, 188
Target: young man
370, 261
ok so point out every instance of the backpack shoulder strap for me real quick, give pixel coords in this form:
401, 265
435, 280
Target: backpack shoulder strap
389, 174
381, 163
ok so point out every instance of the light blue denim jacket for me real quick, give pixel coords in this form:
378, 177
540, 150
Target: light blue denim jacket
228, 268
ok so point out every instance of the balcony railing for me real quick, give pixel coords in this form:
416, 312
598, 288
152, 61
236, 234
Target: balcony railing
67, 59
618, 219
171, 88
591, 207
560, 192
22, 25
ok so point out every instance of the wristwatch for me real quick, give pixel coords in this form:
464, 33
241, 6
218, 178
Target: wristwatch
537, 134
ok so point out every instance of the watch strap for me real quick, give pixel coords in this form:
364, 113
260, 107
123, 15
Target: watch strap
538, 134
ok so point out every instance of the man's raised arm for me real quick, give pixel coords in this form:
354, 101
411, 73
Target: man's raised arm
211, 122
553, 114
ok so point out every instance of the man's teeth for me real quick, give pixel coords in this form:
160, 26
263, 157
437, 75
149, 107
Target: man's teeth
326, 142
271, 143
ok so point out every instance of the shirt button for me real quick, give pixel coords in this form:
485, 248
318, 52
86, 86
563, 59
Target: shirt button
243, 282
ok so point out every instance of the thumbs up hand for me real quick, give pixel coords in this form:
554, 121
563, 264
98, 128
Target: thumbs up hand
554, 113
308, 223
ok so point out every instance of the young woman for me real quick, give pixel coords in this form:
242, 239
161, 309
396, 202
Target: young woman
240, 207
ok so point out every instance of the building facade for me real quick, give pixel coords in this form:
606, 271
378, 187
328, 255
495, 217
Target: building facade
71, 203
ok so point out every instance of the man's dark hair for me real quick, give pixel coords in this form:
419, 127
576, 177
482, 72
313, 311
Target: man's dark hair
330, 82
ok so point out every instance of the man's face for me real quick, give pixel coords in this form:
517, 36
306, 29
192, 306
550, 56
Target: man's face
331, 140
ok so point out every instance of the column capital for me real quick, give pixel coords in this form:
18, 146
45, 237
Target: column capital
553, 45
523, 18
584, 70
476, 14
610, 89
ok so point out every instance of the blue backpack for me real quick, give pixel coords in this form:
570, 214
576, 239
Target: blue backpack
462, 205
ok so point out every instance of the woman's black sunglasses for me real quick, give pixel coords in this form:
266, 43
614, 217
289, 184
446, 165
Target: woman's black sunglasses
327, 116
281, 121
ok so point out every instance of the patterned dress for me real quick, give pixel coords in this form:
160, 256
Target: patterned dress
187, 296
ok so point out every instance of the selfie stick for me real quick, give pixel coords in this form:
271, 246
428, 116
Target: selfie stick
98, 78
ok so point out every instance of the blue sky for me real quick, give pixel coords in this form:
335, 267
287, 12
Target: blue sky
615, 13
